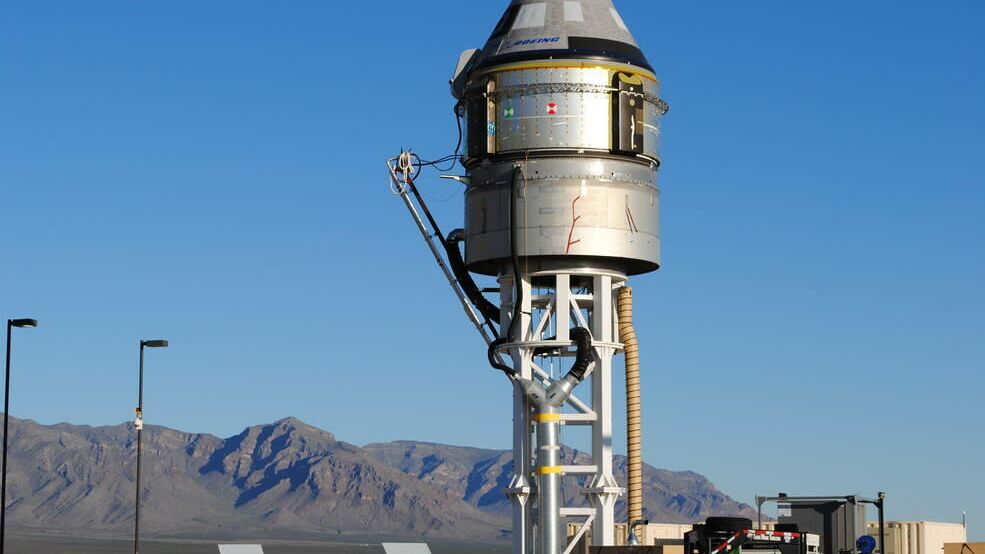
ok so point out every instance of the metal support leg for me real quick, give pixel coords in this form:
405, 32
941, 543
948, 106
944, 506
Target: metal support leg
604, 491
520, 489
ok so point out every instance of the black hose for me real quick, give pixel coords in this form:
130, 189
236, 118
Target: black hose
517, 284
488, 310
461, 135
491, 354
514, 256
585, 356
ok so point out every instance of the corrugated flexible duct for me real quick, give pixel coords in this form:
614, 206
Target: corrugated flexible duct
627, 335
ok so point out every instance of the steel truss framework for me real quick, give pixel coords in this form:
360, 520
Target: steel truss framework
552, 303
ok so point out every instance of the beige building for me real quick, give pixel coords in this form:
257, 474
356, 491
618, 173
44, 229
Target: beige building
920, 537
654, 533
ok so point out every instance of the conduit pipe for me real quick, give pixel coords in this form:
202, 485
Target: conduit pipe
627, 335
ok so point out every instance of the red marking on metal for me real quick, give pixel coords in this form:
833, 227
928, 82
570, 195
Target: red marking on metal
574, 222
632, 221
552, 109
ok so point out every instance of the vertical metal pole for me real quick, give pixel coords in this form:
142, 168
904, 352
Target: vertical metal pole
520, 484
562, 309
604, 489
140, 412
6, 412
525, 362
520, 489
548, 480
882, 523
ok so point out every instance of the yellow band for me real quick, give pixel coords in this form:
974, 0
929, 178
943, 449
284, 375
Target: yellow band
579, 64
547, 418
549, 470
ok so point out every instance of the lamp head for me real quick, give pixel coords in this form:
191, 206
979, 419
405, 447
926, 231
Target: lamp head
24, 323
154, 343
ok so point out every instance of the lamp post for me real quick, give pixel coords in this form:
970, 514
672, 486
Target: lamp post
139, 425
11, 323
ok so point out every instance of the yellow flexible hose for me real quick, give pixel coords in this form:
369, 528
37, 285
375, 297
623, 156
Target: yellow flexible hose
634, 470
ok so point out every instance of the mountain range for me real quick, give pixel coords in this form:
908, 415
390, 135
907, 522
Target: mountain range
287, 480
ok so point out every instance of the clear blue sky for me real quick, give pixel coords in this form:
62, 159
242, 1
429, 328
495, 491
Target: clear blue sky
212, 173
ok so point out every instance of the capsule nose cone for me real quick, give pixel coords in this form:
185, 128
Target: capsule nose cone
534, 29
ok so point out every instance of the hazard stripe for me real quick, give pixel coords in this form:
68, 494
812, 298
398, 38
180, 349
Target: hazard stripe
728, 542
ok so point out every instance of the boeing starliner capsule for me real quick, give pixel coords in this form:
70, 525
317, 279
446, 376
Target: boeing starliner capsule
562, 87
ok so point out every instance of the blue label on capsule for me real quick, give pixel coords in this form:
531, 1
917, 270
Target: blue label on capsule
545, 40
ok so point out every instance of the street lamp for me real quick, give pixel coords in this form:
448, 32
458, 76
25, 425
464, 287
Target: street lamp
22, 324
139, 425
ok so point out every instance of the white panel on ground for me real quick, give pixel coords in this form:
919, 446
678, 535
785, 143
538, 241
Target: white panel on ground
406, 548
240, 549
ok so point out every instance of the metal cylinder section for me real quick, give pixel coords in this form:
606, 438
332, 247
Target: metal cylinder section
555, 106
570, 213
584, 135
